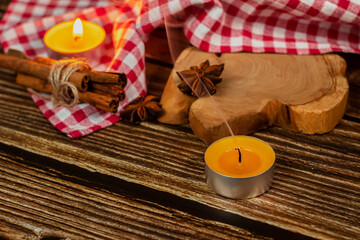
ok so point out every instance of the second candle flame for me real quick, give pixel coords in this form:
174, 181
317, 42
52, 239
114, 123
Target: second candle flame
77, 30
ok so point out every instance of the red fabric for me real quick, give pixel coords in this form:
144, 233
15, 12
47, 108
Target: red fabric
283, 26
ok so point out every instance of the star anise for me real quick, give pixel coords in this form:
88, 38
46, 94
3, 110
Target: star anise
196, 79
142, 109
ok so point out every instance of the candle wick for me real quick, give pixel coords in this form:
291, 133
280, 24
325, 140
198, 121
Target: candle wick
77, 38
239, 154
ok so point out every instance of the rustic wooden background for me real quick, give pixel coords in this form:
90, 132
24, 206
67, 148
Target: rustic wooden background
147, 181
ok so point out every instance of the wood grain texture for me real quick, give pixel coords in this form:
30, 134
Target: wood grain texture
315, 190
175, 104
40, 202
157, 76
157, 47
3, 6
303, 93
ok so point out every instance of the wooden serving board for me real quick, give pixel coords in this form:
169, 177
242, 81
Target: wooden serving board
303, 93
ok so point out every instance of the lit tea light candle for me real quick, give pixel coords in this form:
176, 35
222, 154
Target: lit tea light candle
78, 30
79, 38
239, 167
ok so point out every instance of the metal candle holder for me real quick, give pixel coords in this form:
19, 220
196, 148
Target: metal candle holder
241, 187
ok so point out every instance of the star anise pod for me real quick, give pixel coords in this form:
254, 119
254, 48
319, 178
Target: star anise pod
196, 79
142, 109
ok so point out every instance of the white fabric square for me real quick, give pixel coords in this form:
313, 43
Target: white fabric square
348, 17
174, 6
279, 32
130, 60
39, 10
278, 44
308, 2
257, 43
236, 41
258, 28
62, 114
247, 8
216, 38
20, 8
301, 45
154, 14
328, 8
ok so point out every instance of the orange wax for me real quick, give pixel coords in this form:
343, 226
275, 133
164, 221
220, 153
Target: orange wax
256, 156
60, 37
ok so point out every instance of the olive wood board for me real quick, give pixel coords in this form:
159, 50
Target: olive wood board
304, 93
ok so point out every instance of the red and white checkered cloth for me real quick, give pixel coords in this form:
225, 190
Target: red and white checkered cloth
283, 26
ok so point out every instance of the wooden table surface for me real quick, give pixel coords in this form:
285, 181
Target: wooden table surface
147, 180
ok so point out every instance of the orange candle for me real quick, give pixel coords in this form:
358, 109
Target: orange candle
237, 164
74, 36
75, 39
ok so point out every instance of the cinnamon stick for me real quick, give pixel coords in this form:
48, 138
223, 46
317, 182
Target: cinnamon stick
45, 60
107, 77
34, 83
115, 86
111, 109
107, 103
120, 94
104, 88
103, 102
17, 53
28, 67
95, 76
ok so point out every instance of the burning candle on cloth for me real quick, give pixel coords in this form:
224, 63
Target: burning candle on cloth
79, 39
239, 167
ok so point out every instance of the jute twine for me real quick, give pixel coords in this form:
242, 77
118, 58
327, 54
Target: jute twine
64, 92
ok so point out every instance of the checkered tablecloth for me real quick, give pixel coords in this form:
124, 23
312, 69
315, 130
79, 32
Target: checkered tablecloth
283, 26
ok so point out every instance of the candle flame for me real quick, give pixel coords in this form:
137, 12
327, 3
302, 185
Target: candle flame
78, 30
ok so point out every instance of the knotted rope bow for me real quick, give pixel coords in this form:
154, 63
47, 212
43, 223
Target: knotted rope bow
64, 92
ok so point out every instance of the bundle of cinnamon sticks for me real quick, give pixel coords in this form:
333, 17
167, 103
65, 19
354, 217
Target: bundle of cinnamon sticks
103, 90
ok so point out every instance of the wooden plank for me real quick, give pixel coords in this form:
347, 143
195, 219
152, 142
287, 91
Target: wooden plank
353, 72
353, 108
157, 46
157, 76
3, 5
315, 190
316, 182
353, 75
38, 202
